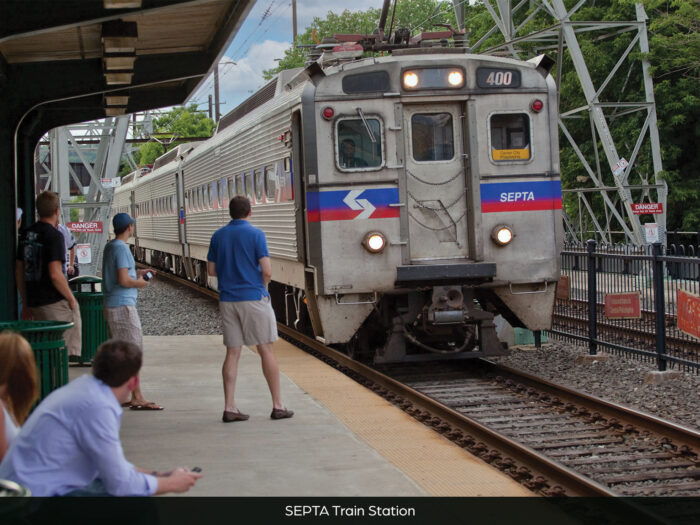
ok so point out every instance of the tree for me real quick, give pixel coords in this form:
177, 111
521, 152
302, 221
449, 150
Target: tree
416, 15
178, 122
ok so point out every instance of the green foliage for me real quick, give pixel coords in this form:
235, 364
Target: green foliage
416, 15
178, 122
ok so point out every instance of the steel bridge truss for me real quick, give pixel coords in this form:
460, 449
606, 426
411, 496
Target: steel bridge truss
617, 183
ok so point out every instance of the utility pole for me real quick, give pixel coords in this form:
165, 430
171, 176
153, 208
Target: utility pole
294, 22
216, 93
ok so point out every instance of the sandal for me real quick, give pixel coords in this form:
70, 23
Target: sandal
150, 405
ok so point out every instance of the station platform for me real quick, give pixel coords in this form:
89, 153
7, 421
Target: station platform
343, 440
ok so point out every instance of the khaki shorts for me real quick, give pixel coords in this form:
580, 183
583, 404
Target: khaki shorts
61, 311
123, 323
249, 323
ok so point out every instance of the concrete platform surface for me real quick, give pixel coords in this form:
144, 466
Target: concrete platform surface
311, 454
343, 440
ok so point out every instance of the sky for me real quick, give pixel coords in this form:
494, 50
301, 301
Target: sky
264, 36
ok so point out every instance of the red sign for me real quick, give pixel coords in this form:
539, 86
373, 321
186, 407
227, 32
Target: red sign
564, 288
85, 227
643, 208
688, 313
622, 306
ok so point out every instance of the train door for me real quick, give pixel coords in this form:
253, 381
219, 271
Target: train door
436, 183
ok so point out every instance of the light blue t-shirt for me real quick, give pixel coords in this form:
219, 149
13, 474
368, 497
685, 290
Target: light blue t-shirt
236, 249
117, 255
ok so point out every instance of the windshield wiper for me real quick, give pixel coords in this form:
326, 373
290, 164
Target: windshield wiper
364, 121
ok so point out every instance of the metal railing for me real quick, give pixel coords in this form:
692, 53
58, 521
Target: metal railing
625, 299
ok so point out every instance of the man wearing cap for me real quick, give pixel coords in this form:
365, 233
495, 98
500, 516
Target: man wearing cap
120, 284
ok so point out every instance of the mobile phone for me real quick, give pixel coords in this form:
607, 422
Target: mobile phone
195, 469
148, 276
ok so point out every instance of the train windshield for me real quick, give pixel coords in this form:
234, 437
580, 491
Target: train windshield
359, 146
432, 137
510, 136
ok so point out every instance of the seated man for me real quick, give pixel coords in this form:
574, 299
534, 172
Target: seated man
347, 155
70, 444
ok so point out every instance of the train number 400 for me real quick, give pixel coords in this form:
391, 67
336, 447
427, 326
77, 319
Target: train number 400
499, 78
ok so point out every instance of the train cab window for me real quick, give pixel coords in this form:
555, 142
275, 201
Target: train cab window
357, 148
432, 137
249, 185
270, 184
198, 201
510, 136
240, 189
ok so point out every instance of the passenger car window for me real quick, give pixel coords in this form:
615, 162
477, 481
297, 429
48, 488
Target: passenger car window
432, 137
510, 136
240, 190
249, 185
213, 196
355, 149
270, 184
223, 193
259, 185
231, 188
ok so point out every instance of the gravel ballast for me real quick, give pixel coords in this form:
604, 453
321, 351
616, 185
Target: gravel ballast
168, 309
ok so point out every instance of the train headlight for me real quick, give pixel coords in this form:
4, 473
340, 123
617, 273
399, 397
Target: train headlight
502, 235
455, 78
374, 242
410, 80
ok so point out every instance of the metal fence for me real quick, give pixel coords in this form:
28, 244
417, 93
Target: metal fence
626, 299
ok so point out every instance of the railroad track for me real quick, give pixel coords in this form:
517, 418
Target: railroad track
553, 440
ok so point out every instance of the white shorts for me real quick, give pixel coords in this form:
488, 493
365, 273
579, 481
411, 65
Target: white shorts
249, 323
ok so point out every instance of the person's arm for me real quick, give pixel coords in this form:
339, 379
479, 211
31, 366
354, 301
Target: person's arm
97, 436
179, 479
71, 261
266, 267
211, 268
61, 283
126, 281
141, 273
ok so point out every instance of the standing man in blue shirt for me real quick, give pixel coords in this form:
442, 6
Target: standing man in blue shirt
70, 444
120, 284
239, 259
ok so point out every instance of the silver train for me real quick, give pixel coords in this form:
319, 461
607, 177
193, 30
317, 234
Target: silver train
406, 199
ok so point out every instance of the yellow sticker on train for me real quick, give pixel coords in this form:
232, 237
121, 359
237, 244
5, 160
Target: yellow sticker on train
510, 154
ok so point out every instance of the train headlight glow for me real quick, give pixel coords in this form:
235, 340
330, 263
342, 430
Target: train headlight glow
374, 242
502, 235
455, 78
410, 80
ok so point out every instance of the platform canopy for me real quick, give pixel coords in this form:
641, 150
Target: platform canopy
68, 61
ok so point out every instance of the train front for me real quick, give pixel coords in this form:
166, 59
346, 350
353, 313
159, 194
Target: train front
433, 202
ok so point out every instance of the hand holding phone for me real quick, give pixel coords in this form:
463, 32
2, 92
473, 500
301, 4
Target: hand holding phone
148, 276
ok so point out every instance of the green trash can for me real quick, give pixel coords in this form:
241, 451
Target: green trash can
88, 292
50, 352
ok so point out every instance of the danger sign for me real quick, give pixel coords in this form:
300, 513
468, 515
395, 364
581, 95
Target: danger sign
84, 253
642, 208
85, 227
